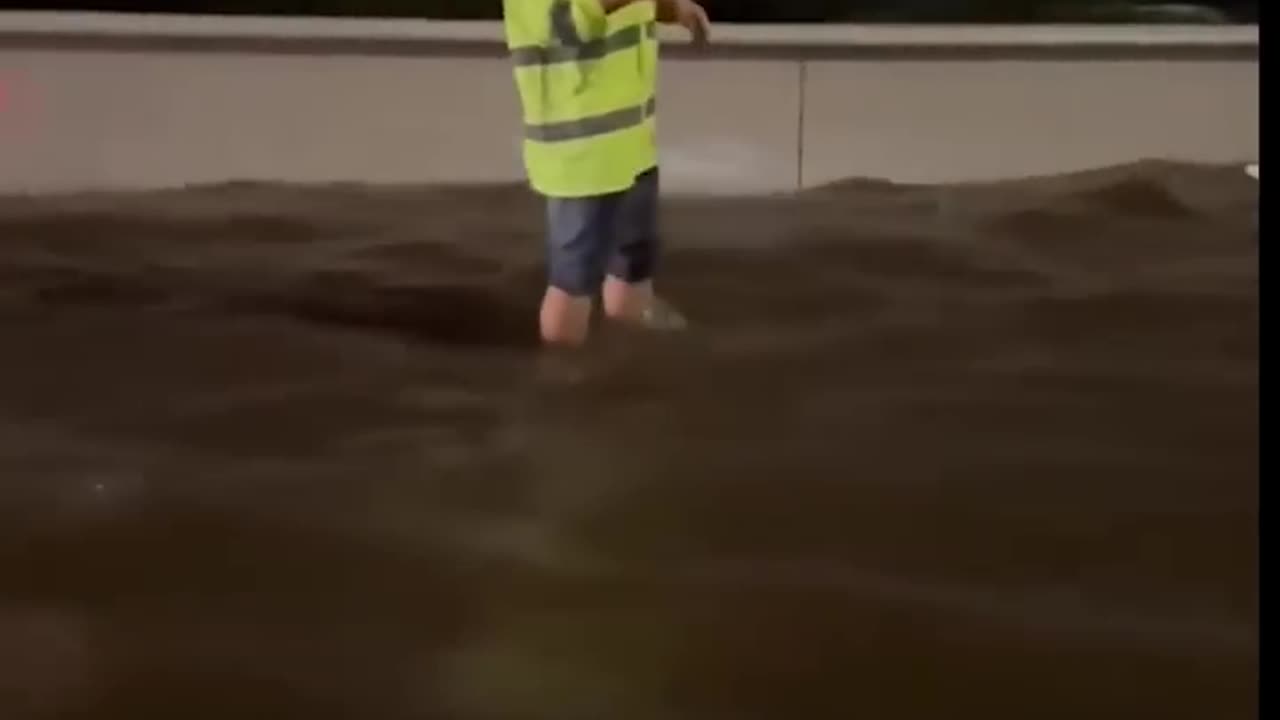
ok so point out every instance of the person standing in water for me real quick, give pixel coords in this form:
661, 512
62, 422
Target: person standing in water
586, 72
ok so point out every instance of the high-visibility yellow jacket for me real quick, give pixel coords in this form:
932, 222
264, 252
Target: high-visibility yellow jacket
587, 83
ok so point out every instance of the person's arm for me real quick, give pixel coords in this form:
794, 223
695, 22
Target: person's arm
686, 13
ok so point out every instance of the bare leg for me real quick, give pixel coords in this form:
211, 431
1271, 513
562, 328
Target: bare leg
626, 301
628, 293
564, 319
579, 242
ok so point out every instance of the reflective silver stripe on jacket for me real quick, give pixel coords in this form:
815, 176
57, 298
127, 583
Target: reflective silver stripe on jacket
579, 51
592, 126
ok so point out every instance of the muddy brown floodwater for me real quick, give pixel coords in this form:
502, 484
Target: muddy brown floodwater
982, 451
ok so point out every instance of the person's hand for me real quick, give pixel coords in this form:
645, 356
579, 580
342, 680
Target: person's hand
690, 15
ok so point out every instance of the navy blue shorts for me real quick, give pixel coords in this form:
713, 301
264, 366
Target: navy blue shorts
615, 234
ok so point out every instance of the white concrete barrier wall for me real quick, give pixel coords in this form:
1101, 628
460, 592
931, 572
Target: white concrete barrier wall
959, 121
102, 101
